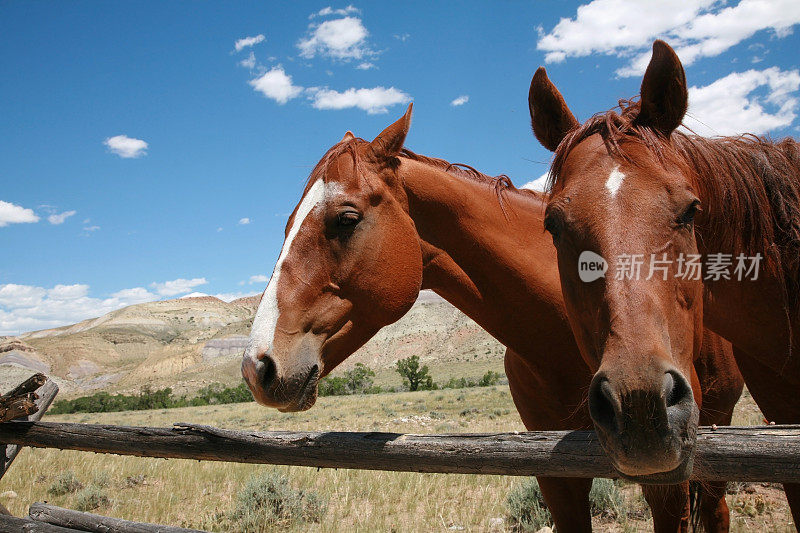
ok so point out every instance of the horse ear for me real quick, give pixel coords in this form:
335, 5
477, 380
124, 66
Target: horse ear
348, 136
390, 141
551, 119
664, 94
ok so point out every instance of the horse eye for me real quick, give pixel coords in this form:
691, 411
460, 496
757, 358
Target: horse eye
687, 217
349, 218
551, 225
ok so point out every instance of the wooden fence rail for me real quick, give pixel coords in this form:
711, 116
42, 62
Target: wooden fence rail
95, 523
769, 453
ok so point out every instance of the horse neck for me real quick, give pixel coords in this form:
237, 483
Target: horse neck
494, 262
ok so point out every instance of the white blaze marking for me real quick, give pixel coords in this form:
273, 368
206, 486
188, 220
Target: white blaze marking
266, 320
614, 181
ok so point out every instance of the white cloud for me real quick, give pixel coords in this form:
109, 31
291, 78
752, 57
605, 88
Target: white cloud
194, 295
15, 214
366, 65
249, 62
375, 100
538, 184
276, 84
59, 218
134, 295
695, 28
461, 100
224, 296
91, 229
231, 296
327, 11
177, 286
13, 295
343, 39
244, 221
126, 147
755, 101
28, 308
68, 292
247, 42
259, 278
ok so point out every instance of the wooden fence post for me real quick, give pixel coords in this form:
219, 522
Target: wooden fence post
40, 392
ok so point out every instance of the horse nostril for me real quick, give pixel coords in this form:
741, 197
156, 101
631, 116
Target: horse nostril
603, 403
668, 389
268, 371
675, 389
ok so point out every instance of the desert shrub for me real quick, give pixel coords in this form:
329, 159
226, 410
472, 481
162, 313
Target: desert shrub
489, 378
217, 393
267, 501
101, 479
458, 383
65, 483
103, 402
605, 499
751, 505
357, 380
526, 508
90, 498
133, 481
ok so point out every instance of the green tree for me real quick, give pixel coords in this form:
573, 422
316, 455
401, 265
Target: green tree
414, 376
359, 379
332, 386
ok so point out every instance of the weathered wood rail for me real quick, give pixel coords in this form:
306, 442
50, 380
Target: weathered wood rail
21, 401
40, 392
12, 524
95, 523
769, 453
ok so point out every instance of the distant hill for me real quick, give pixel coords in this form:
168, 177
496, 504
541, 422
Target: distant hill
190, 342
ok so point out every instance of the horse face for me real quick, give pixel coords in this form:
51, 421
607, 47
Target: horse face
623, 229
350, 264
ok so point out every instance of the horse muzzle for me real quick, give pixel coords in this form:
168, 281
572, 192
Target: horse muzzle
272, 386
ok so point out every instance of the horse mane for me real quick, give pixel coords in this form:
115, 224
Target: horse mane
501, 183
751, 183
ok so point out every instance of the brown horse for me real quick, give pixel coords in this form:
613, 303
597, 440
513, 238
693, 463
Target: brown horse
377, 223
626, 184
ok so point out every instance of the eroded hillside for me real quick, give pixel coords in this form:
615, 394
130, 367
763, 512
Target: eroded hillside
188, 343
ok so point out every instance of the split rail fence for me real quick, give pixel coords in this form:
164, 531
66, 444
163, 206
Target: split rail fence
768, 453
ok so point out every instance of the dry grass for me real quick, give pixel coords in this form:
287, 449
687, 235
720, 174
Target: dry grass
203, 494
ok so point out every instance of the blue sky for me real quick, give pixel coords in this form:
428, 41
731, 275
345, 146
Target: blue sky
155, 149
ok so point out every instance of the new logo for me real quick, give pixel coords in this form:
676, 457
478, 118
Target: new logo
591, 266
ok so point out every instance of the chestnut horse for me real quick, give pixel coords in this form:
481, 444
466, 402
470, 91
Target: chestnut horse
626, 184
377, 223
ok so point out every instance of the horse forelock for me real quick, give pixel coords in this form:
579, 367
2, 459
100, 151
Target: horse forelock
320, 170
